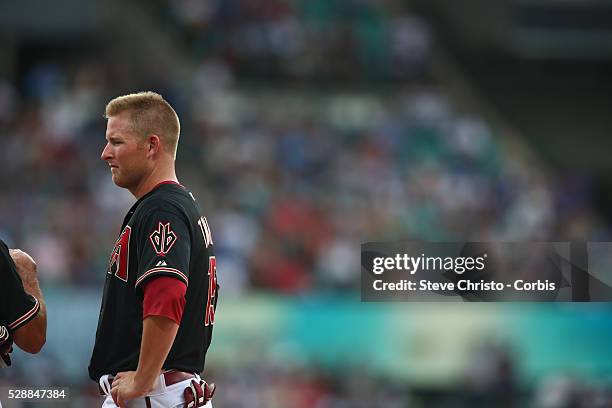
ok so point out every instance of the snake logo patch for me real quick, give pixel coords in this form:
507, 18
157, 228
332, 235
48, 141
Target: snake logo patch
163, 239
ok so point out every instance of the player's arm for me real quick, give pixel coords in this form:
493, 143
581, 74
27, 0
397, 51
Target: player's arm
32, 335
163, 304
158, 334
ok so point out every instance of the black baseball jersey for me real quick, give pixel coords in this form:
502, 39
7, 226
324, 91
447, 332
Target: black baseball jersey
16, 306
163, 234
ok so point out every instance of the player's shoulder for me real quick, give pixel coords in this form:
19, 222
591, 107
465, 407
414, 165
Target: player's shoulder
7, 266
166, 198
4, 255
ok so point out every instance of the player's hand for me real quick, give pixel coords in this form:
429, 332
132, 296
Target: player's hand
125, 387
26, 267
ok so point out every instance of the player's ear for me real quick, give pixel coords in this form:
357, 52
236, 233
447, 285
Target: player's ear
153, 143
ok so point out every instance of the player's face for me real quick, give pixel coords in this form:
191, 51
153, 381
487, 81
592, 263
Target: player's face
124, 152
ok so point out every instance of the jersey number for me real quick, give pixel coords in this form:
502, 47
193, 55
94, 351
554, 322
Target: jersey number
212, 289
205, 231
120, 256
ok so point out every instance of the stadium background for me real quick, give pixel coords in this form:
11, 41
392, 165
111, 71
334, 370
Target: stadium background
309, 127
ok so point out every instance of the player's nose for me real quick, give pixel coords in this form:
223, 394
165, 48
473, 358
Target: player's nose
106, 153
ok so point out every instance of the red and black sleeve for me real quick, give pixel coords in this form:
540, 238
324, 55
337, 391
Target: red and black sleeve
164, 247
16, 306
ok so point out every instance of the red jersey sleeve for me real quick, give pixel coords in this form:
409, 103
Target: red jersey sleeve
164, 296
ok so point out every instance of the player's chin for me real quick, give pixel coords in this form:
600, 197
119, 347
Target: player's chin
118, 180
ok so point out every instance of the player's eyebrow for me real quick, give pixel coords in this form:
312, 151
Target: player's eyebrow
113, 138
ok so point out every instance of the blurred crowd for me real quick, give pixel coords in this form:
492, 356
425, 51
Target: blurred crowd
292, 179
304, 39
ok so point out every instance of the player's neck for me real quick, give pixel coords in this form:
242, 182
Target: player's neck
157, 176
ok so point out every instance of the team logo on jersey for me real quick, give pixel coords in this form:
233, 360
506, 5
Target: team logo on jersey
120, 257
163, 239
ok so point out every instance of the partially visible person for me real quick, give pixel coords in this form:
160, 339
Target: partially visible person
23, 315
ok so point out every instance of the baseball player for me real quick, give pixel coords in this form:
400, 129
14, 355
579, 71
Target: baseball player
23, 316
160, 294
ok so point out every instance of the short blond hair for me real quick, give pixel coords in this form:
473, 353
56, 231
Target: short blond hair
150, 113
